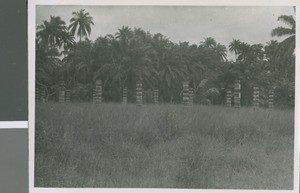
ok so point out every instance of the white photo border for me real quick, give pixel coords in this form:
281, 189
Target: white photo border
31, 87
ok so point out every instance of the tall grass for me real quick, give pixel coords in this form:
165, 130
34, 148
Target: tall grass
163, 146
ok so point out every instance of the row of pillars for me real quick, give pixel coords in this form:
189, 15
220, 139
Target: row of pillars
187, 95
237, 96
40, 95
97, 93
64, 95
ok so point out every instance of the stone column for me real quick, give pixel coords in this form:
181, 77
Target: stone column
185, 93
98, 91
228, 98
155, 96
68, 96
124, 95
139, 93
61, 92
271, 99
191, 96
237, 93
255, 96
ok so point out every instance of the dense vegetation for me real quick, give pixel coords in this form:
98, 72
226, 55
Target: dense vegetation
163, 146
132, 54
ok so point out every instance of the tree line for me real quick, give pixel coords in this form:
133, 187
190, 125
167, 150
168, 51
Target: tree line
132, 54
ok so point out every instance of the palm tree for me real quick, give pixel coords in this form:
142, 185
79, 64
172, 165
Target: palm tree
49, 38
286, 48
141, 35
217, 49
47, 68
282, 31
234, 47
289, 42
171, 72
81, 22
67, 42
209, 42
123, 35
270, 52
125, 62
241, 50
50, 33
189, 57
256, 52
221, 50
78, 63
160, 44
195, 70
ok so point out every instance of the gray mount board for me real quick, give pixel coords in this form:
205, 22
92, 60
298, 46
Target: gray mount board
14, 160
13, 62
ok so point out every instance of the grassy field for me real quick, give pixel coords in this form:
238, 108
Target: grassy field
163, 146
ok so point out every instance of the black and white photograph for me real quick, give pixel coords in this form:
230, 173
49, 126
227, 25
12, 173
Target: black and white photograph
170, 97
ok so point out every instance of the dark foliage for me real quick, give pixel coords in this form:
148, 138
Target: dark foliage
130, 55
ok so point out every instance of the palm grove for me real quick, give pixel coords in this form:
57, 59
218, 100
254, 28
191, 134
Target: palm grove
129, 55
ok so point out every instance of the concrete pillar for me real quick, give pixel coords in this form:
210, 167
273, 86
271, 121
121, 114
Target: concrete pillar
191, 96
155, 96
68, 96
237, 93
98, 92
228, 98
185, 93
256, 97
139, 93
61, 92
271, 99
124, 95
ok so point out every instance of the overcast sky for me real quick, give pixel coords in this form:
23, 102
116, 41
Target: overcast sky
192, 24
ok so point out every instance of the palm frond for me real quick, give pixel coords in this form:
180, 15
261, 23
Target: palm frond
281, 31
288, 19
